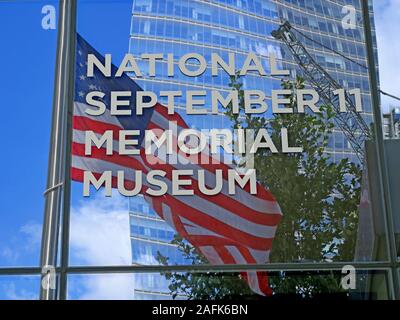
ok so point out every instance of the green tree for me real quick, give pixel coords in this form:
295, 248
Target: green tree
202, 286
319, 199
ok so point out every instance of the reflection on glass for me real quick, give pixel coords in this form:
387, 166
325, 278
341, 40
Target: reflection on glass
320, 205
319, 190
26, 91
19, 287
369, 285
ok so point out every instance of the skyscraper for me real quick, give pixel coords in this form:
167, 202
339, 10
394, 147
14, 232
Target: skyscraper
238, 26
391, 124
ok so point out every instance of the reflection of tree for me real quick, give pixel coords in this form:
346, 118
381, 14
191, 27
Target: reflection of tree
202, 286
319, 200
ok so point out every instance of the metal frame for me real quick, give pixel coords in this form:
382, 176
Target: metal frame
272, 267
65, 227
311, 266
382, 170
57, 195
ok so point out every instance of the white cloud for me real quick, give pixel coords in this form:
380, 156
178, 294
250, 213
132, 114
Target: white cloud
33, 234
13, 293
9, 255
102, 287
388, 30
23, 248
100, 235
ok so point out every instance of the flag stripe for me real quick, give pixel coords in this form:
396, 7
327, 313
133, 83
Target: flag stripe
120, 163
254, 202
218, 220
225, 228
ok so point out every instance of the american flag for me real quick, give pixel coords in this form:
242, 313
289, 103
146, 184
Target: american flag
226, 229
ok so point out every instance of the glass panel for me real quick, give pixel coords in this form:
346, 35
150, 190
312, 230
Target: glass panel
368, 285
390, 107
26, 97
331, 208
19, 287
317, 197
100, 227
101, 286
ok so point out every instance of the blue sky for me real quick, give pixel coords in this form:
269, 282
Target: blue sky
26, 87
26, 83
387, 16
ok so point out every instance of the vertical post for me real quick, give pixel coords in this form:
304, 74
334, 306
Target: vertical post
380, 150
67, 182
58, 184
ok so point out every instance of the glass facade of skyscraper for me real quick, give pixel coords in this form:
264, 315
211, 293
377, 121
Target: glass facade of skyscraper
238, 26
149, 236
318, 217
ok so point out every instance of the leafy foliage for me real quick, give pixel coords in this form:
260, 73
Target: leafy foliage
319, 199
202, 286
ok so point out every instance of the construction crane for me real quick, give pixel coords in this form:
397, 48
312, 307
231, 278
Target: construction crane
351, 122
